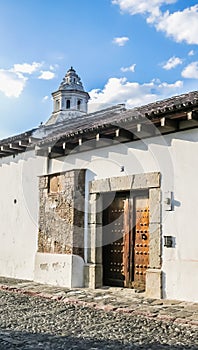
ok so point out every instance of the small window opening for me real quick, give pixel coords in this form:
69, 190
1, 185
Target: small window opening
78, 104
68, 104
57, 105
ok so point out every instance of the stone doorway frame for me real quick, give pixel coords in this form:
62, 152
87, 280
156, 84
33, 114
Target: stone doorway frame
94, 268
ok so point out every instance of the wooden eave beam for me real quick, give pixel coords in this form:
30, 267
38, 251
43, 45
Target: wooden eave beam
107, 136
144, 130
24, 143
185, 120
6, 149
16, 147
2, 154
122, 135
168, 125
28, 142
86, 145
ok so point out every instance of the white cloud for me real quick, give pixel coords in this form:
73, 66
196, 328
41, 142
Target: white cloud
191, 71
27, 68
172, 63
45, 98
169, 89
175, 25
129, 69
191, 53
11, 83
180, 25
149, 7
46, 75
119, 90
53, 66
120, 41
13, 80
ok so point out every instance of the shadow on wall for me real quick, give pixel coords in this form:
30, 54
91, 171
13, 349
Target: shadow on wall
164, 296
23, 156
19, 340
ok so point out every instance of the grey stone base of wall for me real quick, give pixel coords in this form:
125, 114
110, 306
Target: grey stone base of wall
93, 275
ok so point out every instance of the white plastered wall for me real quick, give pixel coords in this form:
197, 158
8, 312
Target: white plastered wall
174, 156
19, 203
65, 270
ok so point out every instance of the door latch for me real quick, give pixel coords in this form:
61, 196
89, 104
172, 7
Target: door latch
144, 237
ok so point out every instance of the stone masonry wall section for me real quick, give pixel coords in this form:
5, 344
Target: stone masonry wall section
61, 217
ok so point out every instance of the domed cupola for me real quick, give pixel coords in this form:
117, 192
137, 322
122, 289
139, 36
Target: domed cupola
70, 100
71, 81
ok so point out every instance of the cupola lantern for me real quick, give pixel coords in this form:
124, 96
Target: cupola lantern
70, 100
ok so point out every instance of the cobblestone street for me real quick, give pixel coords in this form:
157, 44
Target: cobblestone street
43, 317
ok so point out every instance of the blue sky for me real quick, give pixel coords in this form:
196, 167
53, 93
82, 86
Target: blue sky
125, 51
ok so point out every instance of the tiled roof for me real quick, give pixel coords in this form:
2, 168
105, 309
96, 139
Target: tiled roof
107, 121
20, 137
118, 115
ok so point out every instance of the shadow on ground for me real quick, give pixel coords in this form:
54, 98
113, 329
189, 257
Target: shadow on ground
10, 340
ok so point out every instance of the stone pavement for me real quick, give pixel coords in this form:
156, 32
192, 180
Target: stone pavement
119, 300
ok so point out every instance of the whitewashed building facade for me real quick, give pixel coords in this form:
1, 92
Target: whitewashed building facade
108, 198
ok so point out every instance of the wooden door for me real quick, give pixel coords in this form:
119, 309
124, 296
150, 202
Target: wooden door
115, 243
126, 241
141, 242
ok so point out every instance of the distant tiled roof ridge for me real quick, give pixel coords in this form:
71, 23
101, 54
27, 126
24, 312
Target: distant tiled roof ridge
174, 102
16, 137
115, 109
110, 117
117, 115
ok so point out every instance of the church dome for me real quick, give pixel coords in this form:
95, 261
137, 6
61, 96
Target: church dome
70, 100
71, 81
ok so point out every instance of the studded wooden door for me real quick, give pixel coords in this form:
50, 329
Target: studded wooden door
141, 242
115, 242
126, 241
